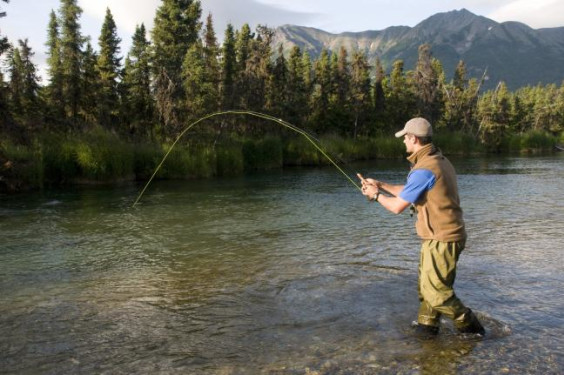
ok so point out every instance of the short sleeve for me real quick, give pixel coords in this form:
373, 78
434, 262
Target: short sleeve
419, 181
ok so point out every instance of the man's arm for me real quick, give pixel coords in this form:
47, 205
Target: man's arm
371, 189
395, 204
383, 186
395, 190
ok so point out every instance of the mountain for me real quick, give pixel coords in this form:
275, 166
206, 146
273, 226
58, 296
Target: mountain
510, 51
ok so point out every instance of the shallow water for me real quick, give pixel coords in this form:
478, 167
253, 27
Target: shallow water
282, 273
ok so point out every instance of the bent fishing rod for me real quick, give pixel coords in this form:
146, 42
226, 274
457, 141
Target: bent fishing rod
279, 121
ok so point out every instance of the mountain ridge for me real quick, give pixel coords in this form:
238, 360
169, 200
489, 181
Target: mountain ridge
510, 51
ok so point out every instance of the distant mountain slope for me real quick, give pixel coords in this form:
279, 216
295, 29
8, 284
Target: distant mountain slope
511, 51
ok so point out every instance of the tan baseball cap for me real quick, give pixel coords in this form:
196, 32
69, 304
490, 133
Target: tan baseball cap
417, 126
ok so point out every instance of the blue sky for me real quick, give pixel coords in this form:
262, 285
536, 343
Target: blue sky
29, 18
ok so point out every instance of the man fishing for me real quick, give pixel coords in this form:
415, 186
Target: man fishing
432, 189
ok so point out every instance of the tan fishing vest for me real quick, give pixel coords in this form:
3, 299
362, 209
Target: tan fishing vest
439, 215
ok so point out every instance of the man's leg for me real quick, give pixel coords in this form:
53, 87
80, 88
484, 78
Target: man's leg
436, 281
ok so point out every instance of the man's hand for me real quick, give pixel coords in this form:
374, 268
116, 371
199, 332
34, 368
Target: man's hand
370, 187
369, 181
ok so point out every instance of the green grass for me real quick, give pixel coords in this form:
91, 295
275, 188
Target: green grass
101, 156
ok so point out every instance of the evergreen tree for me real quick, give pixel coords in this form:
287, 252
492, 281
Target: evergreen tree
427, 86
399, 98
138, 106
517, 114
278, 94
546, 118
201, 75
91, 86
307, 70
320, 93
493, 112
378, 96
459, 80
24, 86
360, 92
339, 95
244, 38
455, 104
296, 107
55, 111
175, 31
109, 65
228, 69
195, 81
212, 67
71, 54
16, 84
257, 69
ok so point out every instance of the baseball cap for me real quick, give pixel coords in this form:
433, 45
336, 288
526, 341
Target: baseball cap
417, 126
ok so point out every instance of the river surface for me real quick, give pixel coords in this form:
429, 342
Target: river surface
291, 272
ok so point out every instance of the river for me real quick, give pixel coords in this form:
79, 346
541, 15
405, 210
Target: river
289, 272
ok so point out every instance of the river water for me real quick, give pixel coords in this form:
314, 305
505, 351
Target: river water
291, 272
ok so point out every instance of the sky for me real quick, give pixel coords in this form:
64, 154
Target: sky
29, 18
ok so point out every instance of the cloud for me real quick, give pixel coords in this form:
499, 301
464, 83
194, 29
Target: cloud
127, 13
537, 14
130, 13
239, 12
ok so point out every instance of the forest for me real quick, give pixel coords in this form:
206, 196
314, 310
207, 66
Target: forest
106, 115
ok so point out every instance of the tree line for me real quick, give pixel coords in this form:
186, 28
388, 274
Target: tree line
183, 73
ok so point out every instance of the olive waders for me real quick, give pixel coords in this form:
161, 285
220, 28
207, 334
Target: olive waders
437, 272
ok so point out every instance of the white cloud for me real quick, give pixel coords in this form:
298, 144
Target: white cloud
537, 14
127, 13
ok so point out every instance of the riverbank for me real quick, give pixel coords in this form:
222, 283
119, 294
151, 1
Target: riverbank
102, 157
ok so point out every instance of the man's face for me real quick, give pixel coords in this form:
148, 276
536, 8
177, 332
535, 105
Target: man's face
409, 141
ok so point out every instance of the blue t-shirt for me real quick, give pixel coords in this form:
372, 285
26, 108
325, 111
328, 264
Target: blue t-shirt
418, 182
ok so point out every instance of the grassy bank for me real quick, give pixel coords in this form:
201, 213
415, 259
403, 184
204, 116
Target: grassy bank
100, 156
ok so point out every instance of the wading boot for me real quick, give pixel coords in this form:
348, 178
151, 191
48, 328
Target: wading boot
470, 324
424, 331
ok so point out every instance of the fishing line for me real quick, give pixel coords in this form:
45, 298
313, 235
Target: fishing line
255, 114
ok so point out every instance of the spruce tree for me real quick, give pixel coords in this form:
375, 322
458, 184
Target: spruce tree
456, 103
55, 111
360, 98
244, 37
91, 87
194, 80
378, 96
320, 93
71, 53
340, 95
200, 84
109, 65
427, 86
24, 86
296, 108
212, 67
493, 114
307, 71
228, 69
138, 105
400, 102
175, 31
278, 92
257, 70
16, 84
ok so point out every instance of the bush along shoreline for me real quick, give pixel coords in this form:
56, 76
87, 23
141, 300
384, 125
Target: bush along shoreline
101, 157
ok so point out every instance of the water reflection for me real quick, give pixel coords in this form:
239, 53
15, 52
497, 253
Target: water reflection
278, 273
